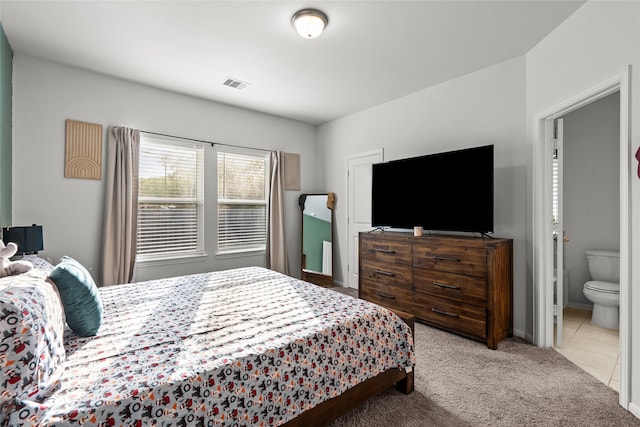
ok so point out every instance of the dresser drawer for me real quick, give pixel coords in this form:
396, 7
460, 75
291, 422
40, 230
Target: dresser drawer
467, 319
471, 289
395, 252
387, 274
454, 259
461, 284
398, 298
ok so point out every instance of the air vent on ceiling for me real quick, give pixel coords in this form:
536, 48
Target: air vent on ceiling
235, 83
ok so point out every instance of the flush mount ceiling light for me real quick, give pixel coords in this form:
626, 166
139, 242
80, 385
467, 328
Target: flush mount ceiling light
309, 23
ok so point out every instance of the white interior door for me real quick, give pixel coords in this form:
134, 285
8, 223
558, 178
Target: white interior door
558, 235
359, 202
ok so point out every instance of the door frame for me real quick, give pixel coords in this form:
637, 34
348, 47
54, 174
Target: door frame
559, 252
542, 221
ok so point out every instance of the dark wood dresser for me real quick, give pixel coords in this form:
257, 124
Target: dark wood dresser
457, 283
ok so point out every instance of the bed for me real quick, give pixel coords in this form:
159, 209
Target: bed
246, 346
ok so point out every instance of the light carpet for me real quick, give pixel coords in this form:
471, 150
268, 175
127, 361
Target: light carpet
460, 382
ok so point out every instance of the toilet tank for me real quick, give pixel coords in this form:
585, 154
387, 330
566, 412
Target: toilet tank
604, 265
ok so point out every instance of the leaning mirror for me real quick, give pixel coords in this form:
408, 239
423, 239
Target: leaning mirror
317, 238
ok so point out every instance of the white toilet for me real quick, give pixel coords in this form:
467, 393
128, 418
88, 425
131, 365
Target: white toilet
604, 288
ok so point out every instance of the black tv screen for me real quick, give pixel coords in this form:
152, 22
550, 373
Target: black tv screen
450, 191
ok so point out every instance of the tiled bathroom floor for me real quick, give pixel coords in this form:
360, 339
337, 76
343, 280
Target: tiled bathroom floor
594, 349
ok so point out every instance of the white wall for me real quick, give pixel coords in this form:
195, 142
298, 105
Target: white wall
593, 44
485, 107
591, 170
495, 105
71, 210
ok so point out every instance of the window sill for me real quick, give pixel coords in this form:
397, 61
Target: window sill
169, 260
241, 254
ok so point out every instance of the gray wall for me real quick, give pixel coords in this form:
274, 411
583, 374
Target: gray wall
600, 40
496, 105
591, 187
46, 93
6, 64
485, 107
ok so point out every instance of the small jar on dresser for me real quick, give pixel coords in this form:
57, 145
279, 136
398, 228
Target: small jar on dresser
461, 284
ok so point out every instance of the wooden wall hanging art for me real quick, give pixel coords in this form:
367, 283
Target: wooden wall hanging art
83, 155
291, 171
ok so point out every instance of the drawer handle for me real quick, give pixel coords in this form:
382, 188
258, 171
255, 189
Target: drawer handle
444, 285
445, 258
385, 273
387, 296
444, 313
385, 251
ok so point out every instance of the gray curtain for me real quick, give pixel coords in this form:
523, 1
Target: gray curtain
276, 244
121, 206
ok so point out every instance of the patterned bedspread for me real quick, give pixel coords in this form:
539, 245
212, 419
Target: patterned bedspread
240, 347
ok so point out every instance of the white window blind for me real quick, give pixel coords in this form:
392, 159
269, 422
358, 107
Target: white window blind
170, 198
243, 195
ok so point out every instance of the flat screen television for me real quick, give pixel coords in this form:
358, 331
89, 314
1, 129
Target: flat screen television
450, 191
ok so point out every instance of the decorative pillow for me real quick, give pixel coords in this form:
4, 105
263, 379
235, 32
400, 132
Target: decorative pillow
79, 295
31, 343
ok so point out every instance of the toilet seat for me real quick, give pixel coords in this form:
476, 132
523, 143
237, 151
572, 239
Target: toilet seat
603, 287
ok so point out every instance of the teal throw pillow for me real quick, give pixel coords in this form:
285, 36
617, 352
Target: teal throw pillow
79, 295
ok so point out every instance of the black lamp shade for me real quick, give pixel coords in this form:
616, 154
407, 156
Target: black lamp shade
28, 239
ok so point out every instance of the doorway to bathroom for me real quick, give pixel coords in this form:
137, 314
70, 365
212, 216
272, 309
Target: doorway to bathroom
586, 218
548, 309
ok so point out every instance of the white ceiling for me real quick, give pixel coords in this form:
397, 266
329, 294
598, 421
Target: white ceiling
371, 52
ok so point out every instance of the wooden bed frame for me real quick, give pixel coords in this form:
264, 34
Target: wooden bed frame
333, 409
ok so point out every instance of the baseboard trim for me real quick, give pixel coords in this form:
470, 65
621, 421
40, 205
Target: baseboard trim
634, 409
522, 334
580, 305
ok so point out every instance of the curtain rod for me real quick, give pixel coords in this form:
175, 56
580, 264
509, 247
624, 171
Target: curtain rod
206, 142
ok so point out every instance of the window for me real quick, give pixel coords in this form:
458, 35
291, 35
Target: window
170, 198
243, 194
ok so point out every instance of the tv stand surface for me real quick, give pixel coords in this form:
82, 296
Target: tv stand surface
461, 284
